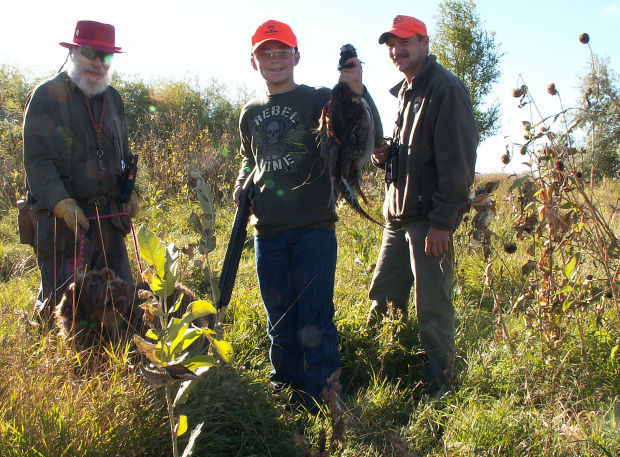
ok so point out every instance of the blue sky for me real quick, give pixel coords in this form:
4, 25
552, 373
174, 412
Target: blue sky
210, 39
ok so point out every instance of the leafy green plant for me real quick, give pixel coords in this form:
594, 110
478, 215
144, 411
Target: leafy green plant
168, 339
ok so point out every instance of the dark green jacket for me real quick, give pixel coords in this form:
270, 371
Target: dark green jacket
279, 137
438, 138
57, 128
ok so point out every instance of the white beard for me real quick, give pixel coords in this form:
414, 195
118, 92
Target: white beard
78, 76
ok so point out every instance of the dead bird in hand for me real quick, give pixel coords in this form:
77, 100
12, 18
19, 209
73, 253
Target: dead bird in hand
346, 138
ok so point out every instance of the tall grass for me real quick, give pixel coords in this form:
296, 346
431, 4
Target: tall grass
533, 378
513, 404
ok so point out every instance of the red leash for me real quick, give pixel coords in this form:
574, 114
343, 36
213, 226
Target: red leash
80, 259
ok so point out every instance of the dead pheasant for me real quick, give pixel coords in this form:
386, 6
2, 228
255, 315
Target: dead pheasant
346, 138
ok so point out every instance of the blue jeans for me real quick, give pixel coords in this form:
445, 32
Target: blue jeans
296, 270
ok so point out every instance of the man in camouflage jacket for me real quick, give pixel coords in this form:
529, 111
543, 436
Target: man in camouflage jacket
430, 169
76, 153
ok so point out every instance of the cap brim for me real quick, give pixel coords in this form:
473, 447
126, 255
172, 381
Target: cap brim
292, 45
114, 50
399, 33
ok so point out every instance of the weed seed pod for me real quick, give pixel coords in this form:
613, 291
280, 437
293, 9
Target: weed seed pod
551, 89
506, 159
584, 38
558, 166
510, 248
519, 92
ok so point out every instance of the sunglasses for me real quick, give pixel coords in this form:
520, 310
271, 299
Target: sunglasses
280, 53
92, 54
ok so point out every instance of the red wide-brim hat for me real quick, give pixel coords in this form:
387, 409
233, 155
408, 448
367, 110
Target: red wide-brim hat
94, 35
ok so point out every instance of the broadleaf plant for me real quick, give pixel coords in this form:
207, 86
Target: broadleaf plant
167, 345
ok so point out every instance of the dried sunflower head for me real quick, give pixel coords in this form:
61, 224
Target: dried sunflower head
510, 248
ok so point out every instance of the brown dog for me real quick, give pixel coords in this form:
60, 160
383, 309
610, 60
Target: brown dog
94, 309
99, 307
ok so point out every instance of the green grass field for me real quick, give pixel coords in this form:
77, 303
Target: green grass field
547, 385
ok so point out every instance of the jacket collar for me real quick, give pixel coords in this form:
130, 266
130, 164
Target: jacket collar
403, 85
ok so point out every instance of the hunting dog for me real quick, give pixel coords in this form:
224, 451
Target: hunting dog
99, 307
94, 309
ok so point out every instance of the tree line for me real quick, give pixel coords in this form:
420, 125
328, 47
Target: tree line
177, 126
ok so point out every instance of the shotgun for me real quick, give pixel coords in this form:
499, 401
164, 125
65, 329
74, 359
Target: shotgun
235, 244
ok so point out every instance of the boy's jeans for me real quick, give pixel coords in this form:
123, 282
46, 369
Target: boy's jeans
296, 270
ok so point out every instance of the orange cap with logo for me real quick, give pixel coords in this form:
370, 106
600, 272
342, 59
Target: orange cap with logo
404, 27
273, 30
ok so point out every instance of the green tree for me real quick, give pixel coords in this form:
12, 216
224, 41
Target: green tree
177, 126
14, 87
136, 95
599, 116
469, 51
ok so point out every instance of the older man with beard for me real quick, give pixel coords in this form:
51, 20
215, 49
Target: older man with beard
77, 161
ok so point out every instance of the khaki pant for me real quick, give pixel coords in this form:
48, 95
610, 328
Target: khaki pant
403, 262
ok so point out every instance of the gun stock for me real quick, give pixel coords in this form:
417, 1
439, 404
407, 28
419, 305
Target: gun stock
235, 244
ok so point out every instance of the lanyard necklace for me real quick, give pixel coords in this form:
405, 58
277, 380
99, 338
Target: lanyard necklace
97, 129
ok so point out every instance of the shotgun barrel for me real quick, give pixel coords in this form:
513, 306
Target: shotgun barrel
235, 244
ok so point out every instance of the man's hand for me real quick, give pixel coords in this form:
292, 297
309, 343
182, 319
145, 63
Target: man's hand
132, 206
73, 215
381, 153
353, 76
437, 241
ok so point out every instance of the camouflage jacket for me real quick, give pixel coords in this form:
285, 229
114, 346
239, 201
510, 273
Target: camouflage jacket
437, 138
62, 157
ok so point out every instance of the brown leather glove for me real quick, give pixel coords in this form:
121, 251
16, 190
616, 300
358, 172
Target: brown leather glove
133, 205
73, 215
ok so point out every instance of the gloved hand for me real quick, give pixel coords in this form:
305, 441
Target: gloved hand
73, 215
133, 205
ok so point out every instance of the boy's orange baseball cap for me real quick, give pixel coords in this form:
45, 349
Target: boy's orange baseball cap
273, 30
404, 27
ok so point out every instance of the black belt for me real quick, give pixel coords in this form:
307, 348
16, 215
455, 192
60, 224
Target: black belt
98, 201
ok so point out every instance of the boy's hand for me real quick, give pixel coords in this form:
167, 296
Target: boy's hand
353, 76
237, 199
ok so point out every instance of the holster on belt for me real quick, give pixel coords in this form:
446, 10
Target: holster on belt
24, 222
121, 223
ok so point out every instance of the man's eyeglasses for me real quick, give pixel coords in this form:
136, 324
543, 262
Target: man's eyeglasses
280, 53
92, 54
